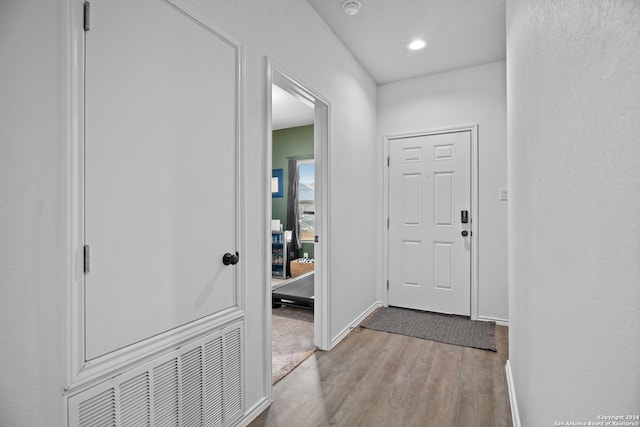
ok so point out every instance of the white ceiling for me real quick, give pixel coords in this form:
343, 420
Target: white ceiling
459, 33
288, 111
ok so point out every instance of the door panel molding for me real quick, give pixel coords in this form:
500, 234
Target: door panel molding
440, 152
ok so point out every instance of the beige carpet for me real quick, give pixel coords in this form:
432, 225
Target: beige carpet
291, 339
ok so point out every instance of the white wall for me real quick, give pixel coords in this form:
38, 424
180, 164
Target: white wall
573, 73
34, 233
475, 95
35, 168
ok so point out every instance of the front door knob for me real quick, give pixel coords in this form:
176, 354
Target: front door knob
465, 233
228, 259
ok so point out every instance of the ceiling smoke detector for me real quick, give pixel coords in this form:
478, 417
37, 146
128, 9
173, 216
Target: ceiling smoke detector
351, 7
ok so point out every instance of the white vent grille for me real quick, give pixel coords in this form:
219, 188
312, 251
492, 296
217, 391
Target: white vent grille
135, 401
199, 384
214, 383
99, 410
192, 388
233, 372
165, 402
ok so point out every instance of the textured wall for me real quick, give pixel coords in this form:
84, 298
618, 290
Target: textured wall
34, 231
573, 73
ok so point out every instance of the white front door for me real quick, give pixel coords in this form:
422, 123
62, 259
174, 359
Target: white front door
429, 195
160, 172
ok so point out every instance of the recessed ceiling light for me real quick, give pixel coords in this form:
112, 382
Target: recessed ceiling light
417, 45
351, 7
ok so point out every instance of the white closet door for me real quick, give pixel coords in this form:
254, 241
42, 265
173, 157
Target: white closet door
160, 172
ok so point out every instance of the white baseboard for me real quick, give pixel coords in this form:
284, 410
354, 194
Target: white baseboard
336, 340
515, 415
501, 322
253, 413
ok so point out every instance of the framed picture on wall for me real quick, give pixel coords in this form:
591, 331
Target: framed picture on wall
276, 183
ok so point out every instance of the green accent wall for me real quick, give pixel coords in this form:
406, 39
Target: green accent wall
293, 142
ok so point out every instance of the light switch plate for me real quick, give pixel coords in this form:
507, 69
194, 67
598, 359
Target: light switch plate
503, 193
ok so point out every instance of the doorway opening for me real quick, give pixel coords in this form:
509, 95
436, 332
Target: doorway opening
296, 158
292, 232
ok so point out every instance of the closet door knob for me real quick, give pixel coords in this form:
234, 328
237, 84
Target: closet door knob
228, 259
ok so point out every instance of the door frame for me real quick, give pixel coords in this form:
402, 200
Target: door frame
474, 214
321, 147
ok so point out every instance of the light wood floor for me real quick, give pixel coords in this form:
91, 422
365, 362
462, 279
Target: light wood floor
376, 378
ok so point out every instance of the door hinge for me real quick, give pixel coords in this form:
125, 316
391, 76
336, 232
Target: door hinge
87, 259
387, 284
388, 221
87, 16
388, 161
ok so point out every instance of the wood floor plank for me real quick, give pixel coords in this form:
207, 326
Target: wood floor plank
375, 378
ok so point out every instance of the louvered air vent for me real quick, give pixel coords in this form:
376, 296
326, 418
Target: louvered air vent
99, 410
199, 384
135, 401
165, 402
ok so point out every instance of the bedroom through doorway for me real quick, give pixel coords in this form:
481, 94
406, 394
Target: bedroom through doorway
292, 231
